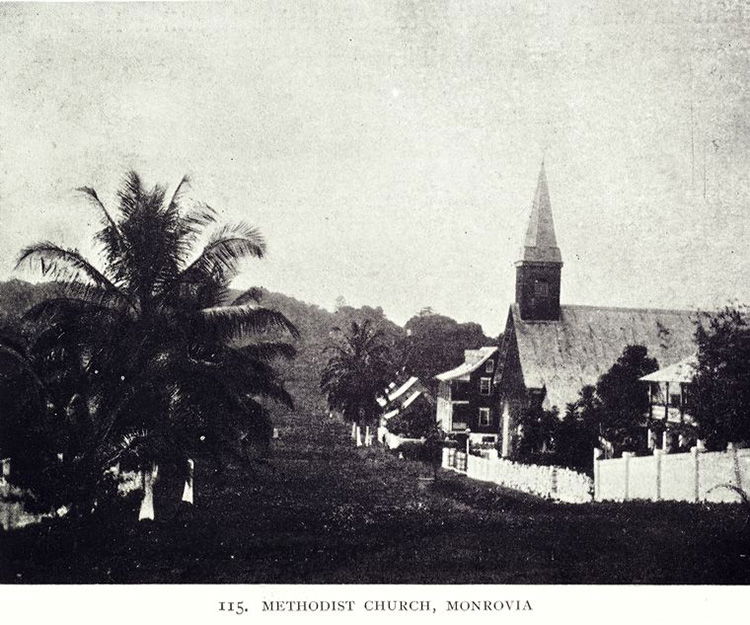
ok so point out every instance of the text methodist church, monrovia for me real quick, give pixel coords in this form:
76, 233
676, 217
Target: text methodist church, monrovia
550, 351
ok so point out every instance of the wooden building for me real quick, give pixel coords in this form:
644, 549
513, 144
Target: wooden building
465, 401
405, 397
669, 411
551, 350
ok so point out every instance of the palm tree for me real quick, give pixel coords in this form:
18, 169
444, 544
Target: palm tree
357, 373
169, 371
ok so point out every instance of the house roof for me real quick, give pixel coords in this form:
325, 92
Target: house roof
402, 389
679, 372
540, 244
563, 356
474, 359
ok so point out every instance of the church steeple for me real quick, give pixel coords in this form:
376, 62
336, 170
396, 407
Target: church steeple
539, 266
540, 244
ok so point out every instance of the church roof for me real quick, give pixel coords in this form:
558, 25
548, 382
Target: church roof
540, 244
563, 356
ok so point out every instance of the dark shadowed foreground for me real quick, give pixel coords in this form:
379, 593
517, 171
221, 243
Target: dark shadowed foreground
323, 512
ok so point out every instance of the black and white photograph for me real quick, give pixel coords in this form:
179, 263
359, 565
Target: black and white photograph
381, 293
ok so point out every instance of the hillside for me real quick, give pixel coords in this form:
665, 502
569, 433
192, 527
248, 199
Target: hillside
434, 343
302, 374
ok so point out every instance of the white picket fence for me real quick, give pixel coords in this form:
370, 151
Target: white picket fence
545, 481
693, 477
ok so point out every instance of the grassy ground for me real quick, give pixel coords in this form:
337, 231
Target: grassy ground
323, 512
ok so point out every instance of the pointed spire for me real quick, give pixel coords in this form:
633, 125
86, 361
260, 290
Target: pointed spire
540, 244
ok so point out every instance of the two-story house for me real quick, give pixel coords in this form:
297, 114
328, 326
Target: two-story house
465, 405
669, 410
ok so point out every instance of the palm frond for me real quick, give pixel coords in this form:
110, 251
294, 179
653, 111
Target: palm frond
184, 181
130, 193
234, 322
66, 265
69, 308
109, 222
200, 216
253, 294
225, 250
268, 351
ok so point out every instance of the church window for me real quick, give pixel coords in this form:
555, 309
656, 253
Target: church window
541, 288
490, 366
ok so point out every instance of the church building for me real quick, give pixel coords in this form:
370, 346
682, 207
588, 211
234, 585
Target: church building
551, 350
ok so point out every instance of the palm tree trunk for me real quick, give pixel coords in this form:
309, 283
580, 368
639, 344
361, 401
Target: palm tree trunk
147, 503
368, 442
187, 493
358, 436
354, 430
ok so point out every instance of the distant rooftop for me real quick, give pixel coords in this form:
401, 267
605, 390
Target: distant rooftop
681, 372
474, 358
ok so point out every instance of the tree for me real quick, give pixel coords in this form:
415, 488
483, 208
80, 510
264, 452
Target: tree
413, 422
579, 432
720, 392
539, 430
610, 413
624, 398
162, 374
436, 343
357, 372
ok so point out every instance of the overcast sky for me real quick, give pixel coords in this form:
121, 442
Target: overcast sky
389, 150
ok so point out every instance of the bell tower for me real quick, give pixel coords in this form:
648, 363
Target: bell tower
539, 266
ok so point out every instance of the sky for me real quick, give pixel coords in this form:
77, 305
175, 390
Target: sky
389, 150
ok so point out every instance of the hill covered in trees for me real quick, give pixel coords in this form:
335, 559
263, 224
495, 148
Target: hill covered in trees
428, 344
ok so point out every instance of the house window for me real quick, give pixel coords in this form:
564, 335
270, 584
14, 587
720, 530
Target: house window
490, 366
674, 400
541, 288
484, 386
484, 416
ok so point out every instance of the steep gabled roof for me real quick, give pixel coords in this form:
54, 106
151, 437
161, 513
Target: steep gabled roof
563, 356
540, 244
475, 358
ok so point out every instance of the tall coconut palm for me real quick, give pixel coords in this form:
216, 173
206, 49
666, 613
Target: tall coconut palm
169, 369
357, 373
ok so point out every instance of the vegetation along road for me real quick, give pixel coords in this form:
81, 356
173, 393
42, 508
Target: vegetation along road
322, 511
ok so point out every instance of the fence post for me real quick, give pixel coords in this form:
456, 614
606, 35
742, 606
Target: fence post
626, 456
597, 455
696, 473
658, 453
553, 486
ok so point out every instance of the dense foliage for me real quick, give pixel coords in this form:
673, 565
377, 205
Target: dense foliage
140, 362
720, 393
436, 343
608, 414
358, 370
414, 423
